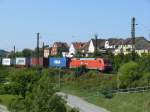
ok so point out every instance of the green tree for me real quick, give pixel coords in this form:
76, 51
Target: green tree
62, 49
146, 78
16, 54
41, 98
22, 80
144, 62
97, 53
78, 54
27, 53
45, 99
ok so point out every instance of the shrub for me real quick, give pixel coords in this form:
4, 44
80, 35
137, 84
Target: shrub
74, 110
42, 98
80, 71
107, 93
128, 74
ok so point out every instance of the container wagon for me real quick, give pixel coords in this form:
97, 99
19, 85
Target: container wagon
91, 63
22, 62
7, 61
42, 62
59, 62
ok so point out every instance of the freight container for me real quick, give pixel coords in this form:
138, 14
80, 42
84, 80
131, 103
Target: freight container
43, 62
59, 62
98, 64
22, 62
7, 62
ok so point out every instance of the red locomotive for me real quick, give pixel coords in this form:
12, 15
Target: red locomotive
91, 63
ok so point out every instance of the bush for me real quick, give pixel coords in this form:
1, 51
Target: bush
107, 93
22, 81
17, 105
80, 71
118, 60
129, 73
4, 72
42, 98
74, 110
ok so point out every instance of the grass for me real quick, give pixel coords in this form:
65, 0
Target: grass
133, 102
6, 99
86, 88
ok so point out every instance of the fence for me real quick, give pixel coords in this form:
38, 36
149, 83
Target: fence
132, 90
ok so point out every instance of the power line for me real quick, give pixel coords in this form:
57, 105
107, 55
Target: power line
145, 28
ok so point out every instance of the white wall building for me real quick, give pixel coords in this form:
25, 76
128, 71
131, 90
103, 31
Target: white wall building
72, 49
91, 47
46, 52
109, 46
75, 47
125, 49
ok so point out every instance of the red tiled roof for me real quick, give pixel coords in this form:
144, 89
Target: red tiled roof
115, 41
79, 45
61, 44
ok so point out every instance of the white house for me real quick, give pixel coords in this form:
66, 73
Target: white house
75, 47
113, 43
72, 49
46, 52
92, 45
124, 46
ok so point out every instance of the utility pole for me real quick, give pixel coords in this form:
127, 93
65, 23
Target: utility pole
96, 36
133, 37
14, 51
43, 48
38, 56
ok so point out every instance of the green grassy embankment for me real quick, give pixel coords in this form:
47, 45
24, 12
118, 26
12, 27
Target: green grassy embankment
133, 102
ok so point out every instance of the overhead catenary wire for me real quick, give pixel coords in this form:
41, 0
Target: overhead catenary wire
144, 28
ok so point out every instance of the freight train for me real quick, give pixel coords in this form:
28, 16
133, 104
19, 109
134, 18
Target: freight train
90, 63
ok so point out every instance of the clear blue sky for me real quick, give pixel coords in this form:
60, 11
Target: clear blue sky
69, 20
